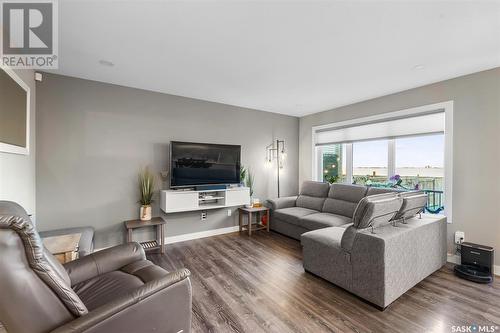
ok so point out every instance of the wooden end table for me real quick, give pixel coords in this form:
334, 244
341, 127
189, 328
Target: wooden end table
158, 223
63, 247
253, 226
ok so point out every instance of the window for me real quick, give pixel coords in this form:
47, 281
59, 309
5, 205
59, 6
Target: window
370, 162
333, 163
405, 149
419, 164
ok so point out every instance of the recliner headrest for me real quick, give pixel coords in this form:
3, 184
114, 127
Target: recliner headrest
376, 210
13, 209
413, 203
14, 217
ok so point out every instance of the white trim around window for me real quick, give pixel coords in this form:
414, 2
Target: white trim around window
446, 107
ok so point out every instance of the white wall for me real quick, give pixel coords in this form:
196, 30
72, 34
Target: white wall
17, 172
476, 146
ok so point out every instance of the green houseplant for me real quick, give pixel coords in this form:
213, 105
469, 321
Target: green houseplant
243, 175
147, 183
249, 181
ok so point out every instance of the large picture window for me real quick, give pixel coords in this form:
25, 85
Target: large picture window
406, 150
333, 163
370, 162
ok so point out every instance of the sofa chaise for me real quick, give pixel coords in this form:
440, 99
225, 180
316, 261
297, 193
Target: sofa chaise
368, 241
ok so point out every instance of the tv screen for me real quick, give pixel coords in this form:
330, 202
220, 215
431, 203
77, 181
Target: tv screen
13, 113
194, 164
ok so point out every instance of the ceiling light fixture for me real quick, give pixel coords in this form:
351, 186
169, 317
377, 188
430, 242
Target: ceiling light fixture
106, 63
419, 67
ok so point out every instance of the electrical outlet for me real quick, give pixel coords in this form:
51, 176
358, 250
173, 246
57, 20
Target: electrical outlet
229, 212
459, 237
203, 215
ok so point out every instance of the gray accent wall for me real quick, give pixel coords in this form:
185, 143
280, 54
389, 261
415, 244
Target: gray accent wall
17, 172
476, 146
93, 138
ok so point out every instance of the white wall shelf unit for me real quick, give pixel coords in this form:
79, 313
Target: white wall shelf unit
176, 201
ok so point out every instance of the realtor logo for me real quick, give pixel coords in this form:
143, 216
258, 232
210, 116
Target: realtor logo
29, 34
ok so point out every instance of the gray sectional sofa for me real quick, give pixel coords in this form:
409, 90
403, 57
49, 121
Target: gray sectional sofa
319, 205
368, 241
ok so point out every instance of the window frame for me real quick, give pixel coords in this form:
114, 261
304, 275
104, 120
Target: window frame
446, 107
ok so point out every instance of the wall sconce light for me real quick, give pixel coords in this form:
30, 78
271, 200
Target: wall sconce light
276, 150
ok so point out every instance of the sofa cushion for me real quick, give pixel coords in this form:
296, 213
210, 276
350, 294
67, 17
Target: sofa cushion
323, 220
376, 210
312, 195
292, 214
105, 288
145, 270
343, 198
329, 237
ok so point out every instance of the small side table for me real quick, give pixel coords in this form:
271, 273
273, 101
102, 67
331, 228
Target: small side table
64, 247
253, 226
158, 223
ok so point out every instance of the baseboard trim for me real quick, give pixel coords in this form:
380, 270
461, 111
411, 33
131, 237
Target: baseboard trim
200, 234
455, 259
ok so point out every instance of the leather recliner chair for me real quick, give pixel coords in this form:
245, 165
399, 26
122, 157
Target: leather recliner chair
113, 290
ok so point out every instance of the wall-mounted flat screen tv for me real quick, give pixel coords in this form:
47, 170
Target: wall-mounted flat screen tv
194, 164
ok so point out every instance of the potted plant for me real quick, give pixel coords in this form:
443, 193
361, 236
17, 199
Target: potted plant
146, 187
243, 175
255, 202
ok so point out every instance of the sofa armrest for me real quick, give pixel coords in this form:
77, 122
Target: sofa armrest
279, 203
104, 261
162, 305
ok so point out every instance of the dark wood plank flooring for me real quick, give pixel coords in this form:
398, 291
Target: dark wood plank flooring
257, 284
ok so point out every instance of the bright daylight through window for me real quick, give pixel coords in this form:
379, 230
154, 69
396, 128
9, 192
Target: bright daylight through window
404, 153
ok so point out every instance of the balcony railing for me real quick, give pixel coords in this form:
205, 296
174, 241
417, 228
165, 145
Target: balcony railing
430, 185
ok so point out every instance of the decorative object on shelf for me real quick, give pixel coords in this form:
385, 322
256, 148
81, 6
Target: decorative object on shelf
256, 203
276, 150
147, 182
263, 220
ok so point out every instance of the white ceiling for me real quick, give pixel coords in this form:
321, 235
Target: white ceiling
290, 57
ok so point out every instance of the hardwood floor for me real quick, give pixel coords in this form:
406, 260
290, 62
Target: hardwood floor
257, 284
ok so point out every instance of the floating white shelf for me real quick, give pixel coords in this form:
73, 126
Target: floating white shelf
176, 201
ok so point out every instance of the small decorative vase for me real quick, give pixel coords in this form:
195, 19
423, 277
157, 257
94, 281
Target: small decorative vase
250, 204
145, 213
256, 203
